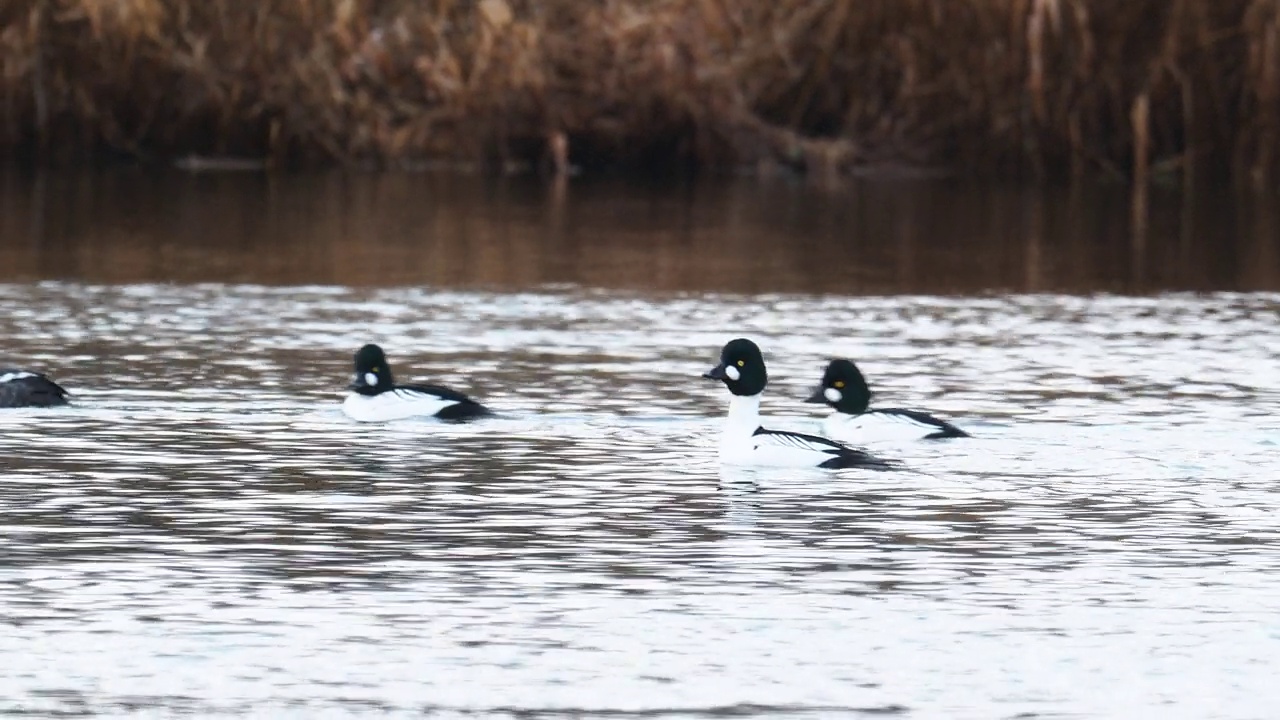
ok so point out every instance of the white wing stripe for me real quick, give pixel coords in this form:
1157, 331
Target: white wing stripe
10, 377
419, 395
794, 441
910, 420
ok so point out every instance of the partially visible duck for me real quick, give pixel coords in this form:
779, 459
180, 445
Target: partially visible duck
25, 388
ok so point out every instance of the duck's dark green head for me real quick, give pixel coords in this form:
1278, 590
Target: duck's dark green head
373, 374
741, 368
843, 388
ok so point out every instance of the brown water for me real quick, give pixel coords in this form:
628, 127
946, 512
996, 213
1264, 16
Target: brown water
867, 237
204, 534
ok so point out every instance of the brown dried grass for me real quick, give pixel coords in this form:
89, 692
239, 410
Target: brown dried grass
1050, 87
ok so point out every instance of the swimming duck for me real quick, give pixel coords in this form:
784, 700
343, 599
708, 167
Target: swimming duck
25, 388
744, 441
375, 396
845, 390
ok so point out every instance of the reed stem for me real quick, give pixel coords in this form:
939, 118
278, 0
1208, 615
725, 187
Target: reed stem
1054, 88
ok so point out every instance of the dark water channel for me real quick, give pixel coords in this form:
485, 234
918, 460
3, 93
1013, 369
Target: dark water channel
870, 237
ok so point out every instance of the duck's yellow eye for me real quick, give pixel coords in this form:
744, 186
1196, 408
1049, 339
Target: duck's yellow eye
839, 384
741, 363
373, 370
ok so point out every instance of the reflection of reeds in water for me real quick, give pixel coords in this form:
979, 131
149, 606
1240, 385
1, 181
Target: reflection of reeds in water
1145, 87
439, 230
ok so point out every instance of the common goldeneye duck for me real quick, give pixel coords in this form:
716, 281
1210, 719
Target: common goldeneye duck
375, 397
745, 442
845, 390
23, 388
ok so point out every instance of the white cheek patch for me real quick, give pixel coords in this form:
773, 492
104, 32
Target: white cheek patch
370, 378
732, 373
832, 395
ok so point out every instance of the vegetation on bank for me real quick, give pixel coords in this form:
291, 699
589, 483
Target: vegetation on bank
1050, 88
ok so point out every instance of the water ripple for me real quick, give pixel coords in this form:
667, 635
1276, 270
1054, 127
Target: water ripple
1103, 546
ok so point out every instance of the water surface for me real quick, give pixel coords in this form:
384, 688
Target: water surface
204, 535
866, 237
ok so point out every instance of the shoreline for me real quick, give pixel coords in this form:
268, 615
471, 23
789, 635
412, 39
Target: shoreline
1037, 90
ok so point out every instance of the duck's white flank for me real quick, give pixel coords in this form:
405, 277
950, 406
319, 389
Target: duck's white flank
739, 445
395, 404
876, 426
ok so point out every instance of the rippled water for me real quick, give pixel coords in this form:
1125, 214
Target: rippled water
204, 534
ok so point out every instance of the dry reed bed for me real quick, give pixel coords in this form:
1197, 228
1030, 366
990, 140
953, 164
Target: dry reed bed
1051, 87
